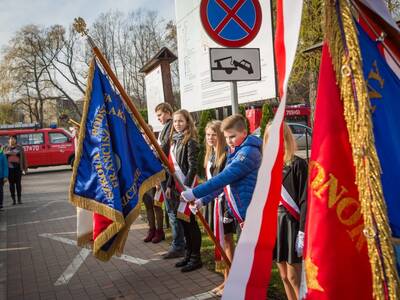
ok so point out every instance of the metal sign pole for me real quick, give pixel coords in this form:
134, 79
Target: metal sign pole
234, 98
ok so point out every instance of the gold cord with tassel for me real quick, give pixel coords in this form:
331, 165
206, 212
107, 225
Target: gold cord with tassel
349, 72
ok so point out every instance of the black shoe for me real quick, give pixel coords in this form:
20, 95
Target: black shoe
19, 202
191, 266
181, 263
173, 254
1, 208
14, 203
184, 261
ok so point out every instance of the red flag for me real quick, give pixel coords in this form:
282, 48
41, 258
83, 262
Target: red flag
336, 256
250, 272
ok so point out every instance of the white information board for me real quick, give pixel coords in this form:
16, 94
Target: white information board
197, 90
154, 96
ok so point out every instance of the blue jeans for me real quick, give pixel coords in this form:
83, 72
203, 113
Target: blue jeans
178, 241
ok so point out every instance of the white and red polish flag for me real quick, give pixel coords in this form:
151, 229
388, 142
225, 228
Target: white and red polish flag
251, 267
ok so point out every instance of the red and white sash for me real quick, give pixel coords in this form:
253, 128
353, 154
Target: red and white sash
218, 215
230, 199
183, 208
159, 197
288, 202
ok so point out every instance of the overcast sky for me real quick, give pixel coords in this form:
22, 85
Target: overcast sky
16, 13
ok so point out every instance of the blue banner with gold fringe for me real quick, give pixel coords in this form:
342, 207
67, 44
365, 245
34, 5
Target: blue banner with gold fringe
384, 90
114, 166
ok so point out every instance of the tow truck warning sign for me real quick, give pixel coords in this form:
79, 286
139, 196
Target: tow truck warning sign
235, 64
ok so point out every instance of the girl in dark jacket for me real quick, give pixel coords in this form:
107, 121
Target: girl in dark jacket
291, 216
16, 165
224, 224
183, 156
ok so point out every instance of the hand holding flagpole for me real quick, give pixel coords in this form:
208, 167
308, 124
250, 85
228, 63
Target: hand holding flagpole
80, 27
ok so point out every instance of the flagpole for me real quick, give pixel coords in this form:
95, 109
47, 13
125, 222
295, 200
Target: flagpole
80, 27
66, 118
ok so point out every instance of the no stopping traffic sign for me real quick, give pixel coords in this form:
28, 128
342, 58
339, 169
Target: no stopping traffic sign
231, 23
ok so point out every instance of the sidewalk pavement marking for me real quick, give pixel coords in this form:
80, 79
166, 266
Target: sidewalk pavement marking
45, 205
23, 206
203, 296
80, 258
58, 238
65, 233
134, 260
73, 267
41, 221
14, 249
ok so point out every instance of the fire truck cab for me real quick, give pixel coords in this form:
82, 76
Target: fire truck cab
43, 146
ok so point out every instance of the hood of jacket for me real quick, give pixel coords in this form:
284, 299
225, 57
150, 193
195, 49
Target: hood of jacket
251, 141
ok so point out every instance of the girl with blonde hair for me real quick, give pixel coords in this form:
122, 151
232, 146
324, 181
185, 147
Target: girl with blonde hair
291, 215
224, 224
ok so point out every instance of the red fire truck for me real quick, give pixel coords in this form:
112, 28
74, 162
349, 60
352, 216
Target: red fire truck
43, 146
293, 113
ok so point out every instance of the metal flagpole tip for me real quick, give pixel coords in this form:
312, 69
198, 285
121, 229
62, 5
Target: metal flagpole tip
80, 26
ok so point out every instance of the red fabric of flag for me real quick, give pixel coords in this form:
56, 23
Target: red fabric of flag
336, 256
100, 224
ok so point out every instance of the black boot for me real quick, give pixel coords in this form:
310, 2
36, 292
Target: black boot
184, 261
19, 199
13, 198
193, 264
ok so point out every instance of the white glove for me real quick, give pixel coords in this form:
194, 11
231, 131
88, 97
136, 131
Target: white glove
195, 207
187, 195
299, 243
227, 220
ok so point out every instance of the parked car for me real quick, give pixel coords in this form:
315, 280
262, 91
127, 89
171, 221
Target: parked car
301, 132
43, 146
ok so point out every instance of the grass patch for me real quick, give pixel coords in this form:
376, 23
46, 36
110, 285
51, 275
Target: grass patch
276, 290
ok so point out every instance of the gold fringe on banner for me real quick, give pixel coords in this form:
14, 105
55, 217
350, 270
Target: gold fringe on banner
220, 266
349, 72
91, 204
120, 225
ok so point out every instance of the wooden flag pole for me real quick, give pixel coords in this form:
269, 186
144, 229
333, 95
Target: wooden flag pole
80, 27
66, 118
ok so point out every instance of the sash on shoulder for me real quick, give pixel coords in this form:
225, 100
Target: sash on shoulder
183, 208
219, 232
230, 199
218, 215
288, 202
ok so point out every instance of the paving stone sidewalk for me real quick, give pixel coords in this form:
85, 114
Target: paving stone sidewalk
39, 258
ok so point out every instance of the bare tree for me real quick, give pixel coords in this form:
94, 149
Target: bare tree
129, 42
27, 69
171, 40
50, 63
66, 62
43, 66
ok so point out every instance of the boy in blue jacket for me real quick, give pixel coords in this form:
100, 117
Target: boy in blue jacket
238, 179
3, 174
